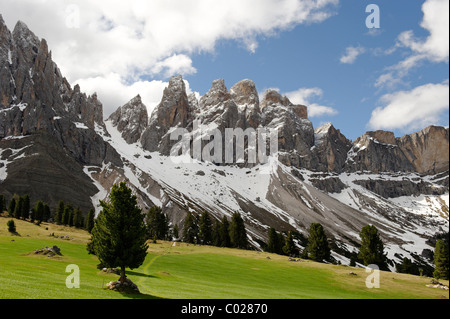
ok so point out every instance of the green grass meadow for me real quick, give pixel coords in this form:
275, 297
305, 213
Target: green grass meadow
184, 272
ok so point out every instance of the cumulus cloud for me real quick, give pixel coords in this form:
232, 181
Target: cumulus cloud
138, 39
434, 48
351, 53
305, 96
414, 109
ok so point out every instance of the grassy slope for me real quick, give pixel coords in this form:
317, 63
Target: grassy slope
184, 271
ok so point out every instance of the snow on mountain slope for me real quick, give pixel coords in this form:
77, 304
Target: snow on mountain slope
274, 195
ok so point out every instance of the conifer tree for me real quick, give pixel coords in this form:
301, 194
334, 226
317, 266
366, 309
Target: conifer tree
2, 203
78, 218
47, 213
318, 249
157, 223
12, 207
119, 233
89, 224
216, 234
18, 208
26, 207
238, 234
224, 234
205, 229
372, 248
289, 248
59, 219
190, 229
39, 211
441, 260
273, 245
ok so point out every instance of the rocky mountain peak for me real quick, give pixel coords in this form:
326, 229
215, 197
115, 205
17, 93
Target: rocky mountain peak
244, 93
274, 98
216, 95
131, 119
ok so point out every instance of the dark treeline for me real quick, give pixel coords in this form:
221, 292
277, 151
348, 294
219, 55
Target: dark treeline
19, 207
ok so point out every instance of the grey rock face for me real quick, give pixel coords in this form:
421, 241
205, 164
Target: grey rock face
330, 149
131, 119
173, 111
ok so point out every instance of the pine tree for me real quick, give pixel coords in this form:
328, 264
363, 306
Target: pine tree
273, 245
205, 229
47, 213
157, 223
89, 224
18, 208
26, 207
12, 207
175, 232
216, 234
289, 248
60, 213
119, 233
238, 234
225, 240
372, 248
78, 218
2, 203
318, 249
39, 211
441, 260
190, 229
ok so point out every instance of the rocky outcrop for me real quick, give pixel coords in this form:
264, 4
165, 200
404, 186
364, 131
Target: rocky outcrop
131, 119
173, 111
377, 152
427, 150
330, 149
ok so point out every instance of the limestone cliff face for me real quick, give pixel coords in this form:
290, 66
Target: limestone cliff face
55, 124
427, 150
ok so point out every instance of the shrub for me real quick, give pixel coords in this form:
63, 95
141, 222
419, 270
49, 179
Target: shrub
11, 226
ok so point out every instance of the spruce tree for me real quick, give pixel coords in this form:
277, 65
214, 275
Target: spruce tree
225, 240
39, 211
12, 207
372, 248
2, 203
238, 234
289, 248
89, 223
441, 260
205, 229
318, 249
157, 223
190, 229
18, 208
119, 233
78, 218
216, 234
59, 219
26, 207
175, 232
273, 244
47, 213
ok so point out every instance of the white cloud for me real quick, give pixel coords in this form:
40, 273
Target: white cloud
304, 96
137, 39
410, 110
434, 48
351, 53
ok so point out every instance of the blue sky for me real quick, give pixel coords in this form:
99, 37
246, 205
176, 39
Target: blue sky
317, 52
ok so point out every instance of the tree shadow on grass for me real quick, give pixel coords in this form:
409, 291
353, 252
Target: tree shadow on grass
139, 274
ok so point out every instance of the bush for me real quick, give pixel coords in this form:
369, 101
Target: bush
11, 226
